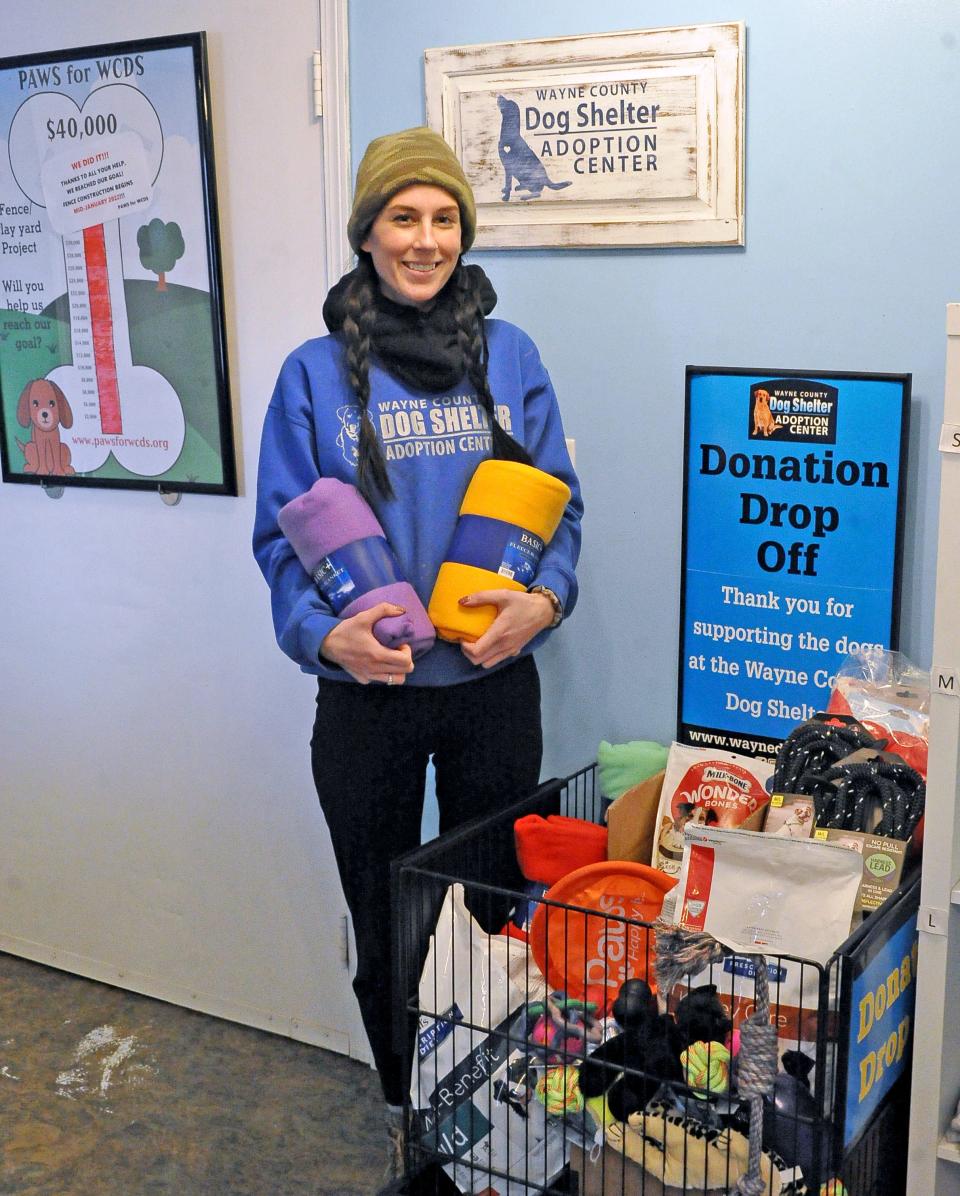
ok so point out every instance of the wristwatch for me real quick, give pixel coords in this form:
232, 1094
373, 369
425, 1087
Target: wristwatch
554, 602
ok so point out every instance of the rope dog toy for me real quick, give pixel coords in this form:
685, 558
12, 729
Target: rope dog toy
758, 1070
681, 952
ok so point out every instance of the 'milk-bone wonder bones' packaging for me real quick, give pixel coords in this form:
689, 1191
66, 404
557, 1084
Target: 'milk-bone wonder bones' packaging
704, 787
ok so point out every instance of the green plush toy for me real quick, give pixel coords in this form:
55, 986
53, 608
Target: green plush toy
623, 765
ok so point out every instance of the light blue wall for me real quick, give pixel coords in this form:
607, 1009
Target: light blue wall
852, 190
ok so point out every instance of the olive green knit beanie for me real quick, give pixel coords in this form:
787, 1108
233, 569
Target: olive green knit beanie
401, 160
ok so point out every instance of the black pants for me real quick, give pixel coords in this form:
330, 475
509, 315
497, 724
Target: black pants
370, 749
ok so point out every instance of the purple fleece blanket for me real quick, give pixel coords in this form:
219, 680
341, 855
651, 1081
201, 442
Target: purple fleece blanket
333, 515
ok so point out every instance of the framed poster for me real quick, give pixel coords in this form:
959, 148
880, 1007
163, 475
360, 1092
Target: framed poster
609, 139
113, 365
792, 544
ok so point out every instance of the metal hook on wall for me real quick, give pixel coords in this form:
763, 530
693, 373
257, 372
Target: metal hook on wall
169, 497
51, 491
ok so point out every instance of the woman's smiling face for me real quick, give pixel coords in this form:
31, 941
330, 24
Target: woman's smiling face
415, 243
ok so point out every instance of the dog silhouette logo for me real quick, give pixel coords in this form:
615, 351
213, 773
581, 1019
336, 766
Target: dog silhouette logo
519, 160
348, 438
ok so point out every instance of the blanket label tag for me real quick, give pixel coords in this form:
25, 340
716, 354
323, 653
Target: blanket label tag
349, 572
498, 547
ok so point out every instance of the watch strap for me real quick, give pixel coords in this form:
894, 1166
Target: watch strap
554, 602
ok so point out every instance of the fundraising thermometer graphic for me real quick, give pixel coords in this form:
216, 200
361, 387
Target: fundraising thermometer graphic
128, 410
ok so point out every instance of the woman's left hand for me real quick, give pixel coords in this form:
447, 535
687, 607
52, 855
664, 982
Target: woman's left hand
520, 616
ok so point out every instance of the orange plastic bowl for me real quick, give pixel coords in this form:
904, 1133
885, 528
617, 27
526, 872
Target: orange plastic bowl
590, 954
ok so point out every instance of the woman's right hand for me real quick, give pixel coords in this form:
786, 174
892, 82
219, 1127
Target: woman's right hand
353, 646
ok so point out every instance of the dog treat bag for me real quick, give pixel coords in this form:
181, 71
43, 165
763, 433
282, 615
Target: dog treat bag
703, 787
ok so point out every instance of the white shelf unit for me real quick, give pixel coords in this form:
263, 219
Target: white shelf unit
934, 1164
949, 1151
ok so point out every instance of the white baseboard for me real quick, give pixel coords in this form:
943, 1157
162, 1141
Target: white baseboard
273, 1021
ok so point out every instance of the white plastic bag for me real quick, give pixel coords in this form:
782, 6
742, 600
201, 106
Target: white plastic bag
764, 894
473, 993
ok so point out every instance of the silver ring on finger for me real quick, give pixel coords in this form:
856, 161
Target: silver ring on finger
389, 678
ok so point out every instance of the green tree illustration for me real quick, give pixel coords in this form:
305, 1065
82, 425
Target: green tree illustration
161, 247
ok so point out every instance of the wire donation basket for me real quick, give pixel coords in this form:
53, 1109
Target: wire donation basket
496, 1043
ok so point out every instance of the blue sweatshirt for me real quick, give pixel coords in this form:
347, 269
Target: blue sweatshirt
432, 443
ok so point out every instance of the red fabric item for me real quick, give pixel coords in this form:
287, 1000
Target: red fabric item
549, 848
514, 932
912, 749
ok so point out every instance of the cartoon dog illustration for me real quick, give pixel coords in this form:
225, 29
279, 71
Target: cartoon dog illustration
43, 408
518, 159
763, 419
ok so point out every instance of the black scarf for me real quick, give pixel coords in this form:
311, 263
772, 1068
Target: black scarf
418, 345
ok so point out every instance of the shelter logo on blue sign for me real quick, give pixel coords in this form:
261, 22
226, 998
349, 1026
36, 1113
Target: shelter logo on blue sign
793, 409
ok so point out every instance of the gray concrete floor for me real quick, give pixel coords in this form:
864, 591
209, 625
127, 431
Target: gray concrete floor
106, 1093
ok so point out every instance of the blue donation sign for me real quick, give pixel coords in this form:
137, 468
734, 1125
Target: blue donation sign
792, 536
881, 1014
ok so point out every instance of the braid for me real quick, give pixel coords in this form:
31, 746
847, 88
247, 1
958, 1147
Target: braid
472, 339
357, 327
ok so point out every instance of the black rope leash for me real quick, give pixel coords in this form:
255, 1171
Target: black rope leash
850, 796
814, 747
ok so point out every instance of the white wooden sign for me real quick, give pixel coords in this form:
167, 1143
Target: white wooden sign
610, 139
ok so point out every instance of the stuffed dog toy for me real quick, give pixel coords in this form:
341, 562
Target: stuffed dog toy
701, 1017
43, 408
630, 1067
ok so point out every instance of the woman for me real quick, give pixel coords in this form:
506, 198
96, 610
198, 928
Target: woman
412, 389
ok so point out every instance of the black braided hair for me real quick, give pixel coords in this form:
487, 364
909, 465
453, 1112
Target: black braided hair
472, 338
358, 322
